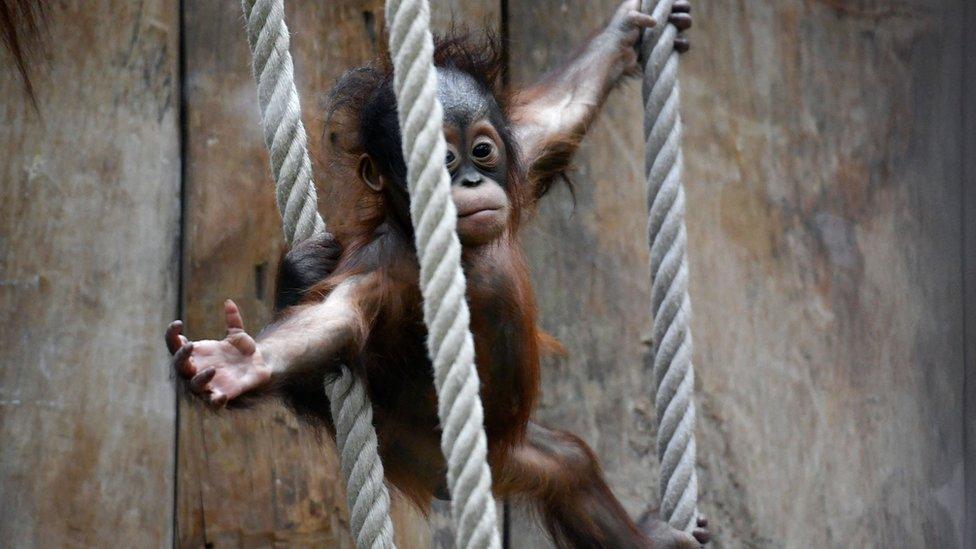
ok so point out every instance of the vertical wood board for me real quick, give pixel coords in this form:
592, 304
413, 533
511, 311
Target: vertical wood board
89, 232
824, 223
969, 267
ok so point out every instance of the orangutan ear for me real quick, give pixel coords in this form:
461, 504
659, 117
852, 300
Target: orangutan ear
370, 174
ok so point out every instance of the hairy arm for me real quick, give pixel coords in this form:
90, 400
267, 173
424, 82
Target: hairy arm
306, 263
551, 117
307, 341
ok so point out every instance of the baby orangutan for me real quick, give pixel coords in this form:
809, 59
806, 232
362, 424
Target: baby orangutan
355, 299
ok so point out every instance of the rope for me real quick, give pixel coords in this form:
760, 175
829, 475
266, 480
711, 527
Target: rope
442, 282
284, 135
369, 502
674, 375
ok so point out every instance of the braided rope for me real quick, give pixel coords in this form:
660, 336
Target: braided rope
284, 134
366, 494
674, 375
442, 282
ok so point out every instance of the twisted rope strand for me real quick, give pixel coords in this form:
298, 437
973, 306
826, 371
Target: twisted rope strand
366, 494
673, 372
442, 282
284, 135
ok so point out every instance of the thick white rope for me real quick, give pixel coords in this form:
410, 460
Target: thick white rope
442, 281
369, 502
281, 118
674, 375
284, 134
449, 341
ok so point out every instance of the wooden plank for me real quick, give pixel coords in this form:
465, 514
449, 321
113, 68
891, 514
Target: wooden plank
89, 232
824, 228
259, 478
824, 233
969, 267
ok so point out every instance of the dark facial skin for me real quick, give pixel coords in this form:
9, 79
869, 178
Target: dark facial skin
476, 158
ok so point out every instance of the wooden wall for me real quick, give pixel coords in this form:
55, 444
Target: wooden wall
831, 197
89, 232
824, 144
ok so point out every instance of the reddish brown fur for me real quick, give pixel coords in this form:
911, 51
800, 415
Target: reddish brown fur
560, 476
20, 23
556, 471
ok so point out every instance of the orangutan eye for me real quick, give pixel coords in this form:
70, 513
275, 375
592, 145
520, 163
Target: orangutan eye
482, 150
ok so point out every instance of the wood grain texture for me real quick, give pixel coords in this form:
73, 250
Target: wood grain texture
969, 267
259, 478
256, 478
822, 141
823, 174
89, 225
